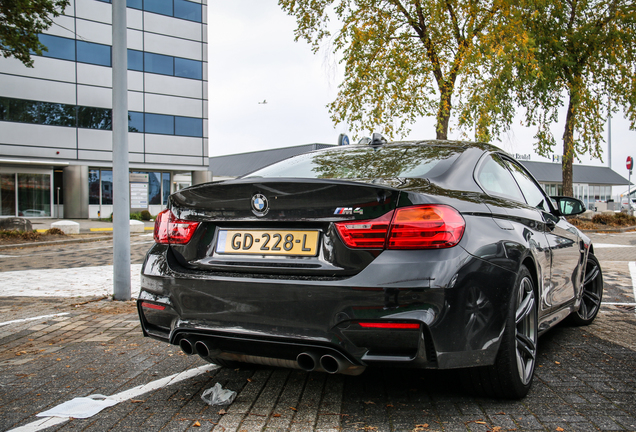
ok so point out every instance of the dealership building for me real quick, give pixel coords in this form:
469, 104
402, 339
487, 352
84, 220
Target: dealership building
55, 118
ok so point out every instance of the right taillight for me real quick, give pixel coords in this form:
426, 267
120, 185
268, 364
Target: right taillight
431, 226
170, 230
426, 227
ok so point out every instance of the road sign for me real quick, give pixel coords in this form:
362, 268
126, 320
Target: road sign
630, 162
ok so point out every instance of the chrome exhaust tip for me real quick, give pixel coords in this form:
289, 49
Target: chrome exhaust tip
186, 346
307, 361
202, 349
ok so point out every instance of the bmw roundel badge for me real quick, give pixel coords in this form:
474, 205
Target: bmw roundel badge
260, 206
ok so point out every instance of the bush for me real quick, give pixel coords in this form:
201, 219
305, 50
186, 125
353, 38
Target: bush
145, 215
135, 216
623, 219
54, 231
603, 219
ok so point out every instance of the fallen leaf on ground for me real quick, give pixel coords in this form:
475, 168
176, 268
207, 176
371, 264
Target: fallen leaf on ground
222, 412
196, 424
560, 429
137, 401
293, 409
275, 415
369, 402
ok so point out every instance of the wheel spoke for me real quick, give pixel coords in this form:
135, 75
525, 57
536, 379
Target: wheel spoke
526, 345
592, 297
591, 275
525, 308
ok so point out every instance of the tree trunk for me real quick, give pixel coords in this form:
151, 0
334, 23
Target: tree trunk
568, 145
444, 111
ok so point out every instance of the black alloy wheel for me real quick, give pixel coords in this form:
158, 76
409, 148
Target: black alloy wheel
511, 375
592, 293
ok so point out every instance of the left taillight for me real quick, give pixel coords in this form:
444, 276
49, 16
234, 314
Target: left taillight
433, 226
170, 230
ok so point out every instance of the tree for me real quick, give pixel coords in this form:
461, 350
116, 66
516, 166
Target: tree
405, 59
20, 23
583, 52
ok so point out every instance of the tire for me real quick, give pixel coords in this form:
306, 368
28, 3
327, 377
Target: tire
511, 375
592, 294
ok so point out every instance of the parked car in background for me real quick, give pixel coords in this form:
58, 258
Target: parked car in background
429, 254
628, 204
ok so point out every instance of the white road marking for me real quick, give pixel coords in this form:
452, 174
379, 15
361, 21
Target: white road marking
608, 246
632, 272
68, 282
7, 256
33, 319
123, 396
617, 304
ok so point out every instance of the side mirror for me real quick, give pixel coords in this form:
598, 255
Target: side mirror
568, 206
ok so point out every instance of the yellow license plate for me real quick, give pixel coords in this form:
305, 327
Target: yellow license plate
268, 242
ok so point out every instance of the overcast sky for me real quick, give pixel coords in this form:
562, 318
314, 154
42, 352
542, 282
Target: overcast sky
253, 58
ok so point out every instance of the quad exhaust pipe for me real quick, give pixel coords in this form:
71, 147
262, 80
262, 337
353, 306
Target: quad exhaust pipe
307, 361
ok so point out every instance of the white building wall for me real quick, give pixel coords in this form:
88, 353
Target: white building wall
73, 83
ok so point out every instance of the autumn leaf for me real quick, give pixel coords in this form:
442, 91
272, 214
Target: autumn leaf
196, 424
222, 412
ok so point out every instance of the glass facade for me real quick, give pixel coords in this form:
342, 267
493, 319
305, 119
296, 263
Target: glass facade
100, 187
176, 8
34, 195
55, 114
7, 195
98, 54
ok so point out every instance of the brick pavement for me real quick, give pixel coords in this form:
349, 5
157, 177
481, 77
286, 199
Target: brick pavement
585, 380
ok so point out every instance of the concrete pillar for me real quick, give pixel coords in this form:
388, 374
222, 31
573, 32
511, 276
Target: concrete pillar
76, 192
199, 177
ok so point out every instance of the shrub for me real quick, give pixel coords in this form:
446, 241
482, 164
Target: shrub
603, 219
135, 216
145, 215
55, 231
623, 219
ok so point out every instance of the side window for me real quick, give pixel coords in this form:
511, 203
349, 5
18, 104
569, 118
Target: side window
496, 179
533, 194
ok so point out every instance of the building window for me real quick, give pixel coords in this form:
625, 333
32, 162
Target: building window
186, 68
188, 126
166, 188
92, 53
187, 10
159, 124
58, 47
7, 194
158, 63
135, 121
54, 114
94, 118
93, 186
135, 60
47, 113
34, 195
107, 187
154, 188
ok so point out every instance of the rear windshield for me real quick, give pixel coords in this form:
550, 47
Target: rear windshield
364, 162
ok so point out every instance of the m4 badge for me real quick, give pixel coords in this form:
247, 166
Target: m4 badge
348, 211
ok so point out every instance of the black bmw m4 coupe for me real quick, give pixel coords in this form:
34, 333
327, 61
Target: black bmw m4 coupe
431, 254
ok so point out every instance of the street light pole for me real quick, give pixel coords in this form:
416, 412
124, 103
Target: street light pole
121, 200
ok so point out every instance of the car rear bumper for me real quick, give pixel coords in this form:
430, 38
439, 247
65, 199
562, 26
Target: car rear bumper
453, 304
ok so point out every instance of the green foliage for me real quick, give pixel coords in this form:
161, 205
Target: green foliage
145, 215
20, 23
407, 59
582, 58
135, 216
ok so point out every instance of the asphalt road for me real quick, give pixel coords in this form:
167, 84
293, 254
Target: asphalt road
56, 346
